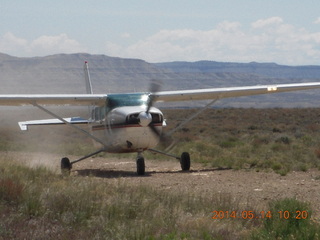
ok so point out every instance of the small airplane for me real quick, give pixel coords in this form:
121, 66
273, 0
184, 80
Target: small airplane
128, 122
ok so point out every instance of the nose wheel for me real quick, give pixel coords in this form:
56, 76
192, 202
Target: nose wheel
141, 168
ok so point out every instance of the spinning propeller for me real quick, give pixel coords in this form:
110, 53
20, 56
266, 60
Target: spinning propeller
145, 118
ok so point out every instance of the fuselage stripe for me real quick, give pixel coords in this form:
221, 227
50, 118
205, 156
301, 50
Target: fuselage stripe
103, 127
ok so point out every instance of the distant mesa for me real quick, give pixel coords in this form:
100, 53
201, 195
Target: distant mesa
63, 73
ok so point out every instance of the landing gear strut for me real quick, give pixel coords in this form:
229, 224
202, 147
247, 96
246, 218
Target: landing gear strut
66, 165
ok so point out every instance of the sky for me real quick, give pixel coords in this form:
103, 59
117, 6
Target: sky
281, 31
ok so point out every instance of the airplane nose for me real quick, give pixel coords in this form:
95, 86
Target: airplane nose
145, 119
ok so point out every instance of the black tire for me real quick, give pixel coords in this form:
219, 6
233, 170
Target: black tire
65, 166
140, 166
185, 161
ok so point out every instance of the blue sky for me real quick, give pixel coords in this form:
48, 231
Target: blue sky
285, 32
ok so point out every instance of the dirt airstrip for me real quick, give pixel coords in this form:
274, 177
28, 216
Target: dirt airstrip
249, 188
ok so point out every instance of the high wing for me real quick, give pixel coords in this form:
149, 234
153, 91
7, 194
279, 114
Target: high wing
162, 96
218, 93
52, 99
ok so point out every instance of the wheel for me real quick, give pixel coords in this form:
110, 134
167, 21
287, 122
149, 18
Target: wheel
185, 161
140, 166
65, 166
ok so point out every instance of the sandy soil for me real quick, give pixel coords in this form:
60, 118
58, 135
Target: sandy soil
250, 188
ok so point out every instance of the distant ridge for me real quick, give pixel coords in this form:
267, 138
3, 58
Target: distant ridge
63, 73
265, 69
5, 57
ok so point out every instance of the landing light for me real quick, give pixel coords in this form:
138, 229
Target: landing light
273, 88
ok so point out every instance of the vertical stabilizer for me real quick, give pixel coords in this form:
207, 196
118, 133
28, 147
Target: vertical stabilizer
87, 78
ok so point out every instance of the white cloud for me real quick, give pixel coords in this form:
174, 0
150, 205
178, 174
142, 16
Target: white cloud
60, 43
9, 43
262, 23
265, 40
317, 21
43, 45
126, 35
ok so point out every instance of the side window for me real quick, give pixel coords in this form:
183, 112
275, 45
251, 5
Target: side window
97, 114
92, 115
102, 113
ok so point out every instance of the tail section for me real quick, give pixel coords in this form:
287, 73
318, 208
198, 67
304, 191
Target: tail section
87, 78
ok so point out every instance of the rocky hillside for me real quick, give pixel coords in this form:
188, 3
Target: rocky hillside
63, 73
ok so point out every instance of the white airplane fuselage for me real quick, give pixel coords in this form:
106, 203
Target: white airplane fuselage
126, 129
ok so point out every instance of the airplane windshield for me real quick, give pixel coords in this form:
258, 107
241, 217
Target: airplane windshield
131, 99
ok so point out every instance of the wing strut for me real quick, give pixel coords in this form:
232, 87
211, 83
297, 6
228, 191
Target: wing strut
88, 85
69, 124
192, 117
87, 78
168, 134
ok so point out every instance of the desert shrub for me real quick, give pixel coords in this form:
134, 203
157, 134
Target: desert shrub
11, 190
259, 141
229, 143
276, 130
283, 139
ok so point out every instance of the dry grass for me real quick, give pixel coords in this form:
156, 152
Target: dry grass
37, 204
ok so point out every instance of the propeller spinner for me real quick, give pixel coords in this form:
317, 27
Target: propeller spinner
145, 119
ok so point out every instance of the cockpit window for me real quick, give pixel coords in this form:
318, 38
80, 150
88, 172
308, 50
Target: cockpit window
119, 100
132, 99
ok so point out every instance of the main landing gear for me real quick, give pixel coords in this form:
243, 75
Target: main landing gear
66, 165
184, 159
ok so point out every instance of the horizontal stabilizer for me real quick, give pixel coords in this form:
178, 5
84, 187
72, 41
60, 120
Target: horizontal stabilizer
73, 120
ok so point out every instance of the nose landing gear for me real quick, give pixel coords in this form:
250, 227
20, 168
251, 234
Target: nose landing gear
140, 165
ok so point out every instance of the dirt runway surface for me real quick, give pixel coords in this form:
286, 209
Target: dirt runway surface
250, 188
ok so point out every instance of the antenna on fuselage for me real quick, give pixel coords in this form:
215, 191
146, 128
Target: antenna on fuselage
87, 78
